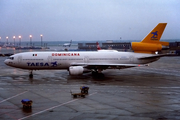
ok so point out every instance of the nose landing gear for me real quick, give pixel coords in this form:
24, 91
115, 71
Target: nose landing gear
31, 74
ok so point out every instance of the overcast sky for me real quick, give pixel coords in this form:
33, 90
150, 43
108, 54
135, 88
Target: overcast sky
61, 20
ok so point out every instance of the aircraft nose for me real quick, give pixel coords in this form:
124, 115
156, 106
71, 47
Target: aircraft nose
6, 62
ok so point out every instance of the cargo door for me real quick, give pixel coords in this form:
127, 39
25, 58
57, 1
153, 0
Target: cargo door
19, 59
49, 59
131, 58
86, 59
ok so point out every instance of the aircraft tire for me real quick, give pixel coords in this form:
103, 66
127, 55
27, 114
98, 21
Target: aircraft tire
100, 75
30, 75
94, 73
97, 75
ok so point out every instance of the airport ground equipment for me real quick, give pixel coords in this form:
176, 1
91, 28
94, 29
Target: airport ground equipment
83, 93
26, 103
84, 89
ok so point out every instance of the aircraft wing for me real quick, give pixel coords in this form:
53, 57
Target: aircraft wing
106, 66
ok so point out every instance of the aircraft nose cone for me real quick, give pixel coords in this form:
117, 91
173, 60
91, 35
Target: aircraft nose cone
6, 62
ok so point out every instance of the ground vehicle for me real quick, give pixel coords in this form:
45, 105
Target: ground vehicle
26, 103
83, 93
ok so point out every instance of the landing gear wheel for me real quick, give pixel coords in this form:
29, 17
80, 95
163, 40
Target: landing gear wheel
31, 74
101, 75
94, 73
97, 75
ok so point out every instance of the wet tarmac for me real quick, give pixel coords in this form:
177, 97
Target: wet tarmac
141, 93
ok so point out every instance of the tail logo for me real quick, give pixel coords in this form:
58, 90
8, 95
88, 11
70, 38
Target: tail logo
155, 35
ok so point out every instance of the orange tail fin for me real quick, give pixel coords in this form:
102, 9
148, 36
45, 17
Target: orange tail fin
151, 43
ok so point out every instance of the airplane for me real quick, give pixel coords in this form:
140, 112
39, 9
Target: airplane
98, 47
67, 44
77, 63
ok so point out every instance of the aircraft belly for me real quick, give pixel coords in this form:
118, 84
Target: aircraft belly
149, 60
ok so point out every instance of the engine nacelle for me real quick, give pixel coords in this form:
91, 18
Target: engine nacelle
76, 70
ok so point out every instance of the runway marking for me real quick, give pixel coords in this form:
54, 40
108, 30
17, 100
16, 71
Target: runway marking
54, 107
13, 97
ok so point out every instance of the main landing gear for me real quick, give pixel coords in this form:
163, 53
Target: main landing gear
31, 74
97, 74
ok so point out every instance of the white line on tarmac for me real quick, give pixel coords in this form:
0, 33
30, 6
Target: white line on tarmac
13, 96
53, 107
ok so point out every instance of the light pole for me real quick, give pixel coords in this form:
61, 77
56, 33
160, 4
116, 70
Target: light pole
30, 40
19, 41
7, 39
41, 39
14, 40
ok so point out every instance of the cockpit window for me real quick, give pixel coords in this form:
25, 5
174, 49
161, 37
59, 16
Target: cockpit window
12, 58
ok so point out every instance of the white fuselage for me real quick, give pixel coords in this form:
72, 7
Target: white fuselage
63, 60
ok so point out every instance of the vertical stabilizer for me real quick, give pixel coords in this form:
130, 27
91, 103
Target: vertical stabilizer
98, 47
151, 43
155, 34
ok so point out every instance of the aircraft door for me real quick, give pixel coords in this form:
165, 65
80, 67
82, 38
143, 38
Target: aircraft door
86, 59
49, 59
19, 59
131, 58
